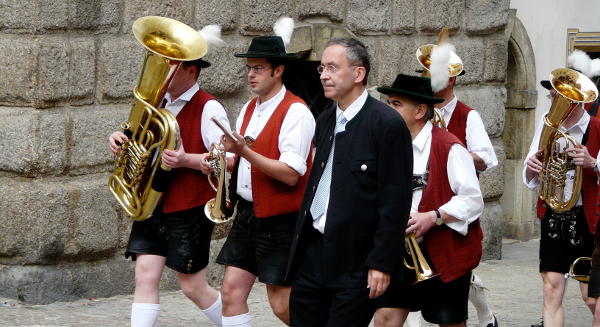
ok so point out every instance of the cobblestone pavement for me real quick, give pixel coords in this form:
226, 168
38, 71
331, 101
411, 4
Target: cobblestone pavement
513, 282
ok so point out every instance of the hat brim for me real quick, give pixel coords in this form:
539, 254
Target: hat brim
256, 54
546, 84
203, 63
416, 96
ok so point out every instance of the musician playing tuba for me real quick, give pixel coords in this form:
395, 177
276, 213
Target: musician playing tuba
567, 208
446, 205
177, 235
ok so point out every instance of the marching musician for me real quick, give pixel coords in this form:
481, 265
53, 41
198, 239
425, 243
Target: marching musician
568, 235
178, 234
269, 179
446, 205
357, 200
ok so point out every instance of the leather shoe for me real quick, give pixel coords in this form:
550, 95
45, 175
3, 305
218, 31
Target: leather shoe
493, 324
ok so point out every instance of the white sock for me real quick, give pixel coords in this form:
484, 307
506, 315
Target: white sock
477, 297
144, 314
214, 312
413, 319
243, 320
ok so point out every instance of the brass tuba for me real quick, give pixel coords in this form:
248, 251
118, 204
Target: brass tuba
572, 89
419, 264
151, 129
218, 209
582, 278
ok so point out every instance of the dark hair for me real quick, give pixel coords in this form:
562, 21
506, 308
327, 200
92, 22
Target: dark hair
356, 53
276, 62
196, 63
430, 107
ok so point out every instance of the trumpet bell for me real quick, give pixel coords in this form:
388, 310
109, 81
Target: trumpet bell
423, 54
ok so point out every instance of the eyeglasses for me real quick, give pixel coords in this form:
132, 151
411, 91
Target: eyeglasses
256, 69
331, 69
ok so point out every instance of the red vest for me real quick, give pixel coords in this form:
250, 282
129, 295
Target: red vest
589, 185
458, 121
270, 196
451, 253
189, 188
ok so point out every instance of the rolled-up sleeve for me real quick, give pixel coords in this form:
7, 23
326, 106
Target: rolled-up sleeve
533, 149
295, 138
479, 142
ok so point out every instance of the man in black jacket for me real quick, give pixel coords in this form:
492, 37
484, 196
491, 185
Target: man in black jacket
357, 201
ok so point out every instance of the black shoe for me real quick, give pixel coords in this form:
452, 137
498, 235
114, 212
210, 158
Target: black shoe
493, 324
540, 324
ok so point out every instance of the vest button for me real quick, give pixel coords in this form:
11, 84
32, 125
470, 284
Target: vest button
363, 167
322, 164
304, 213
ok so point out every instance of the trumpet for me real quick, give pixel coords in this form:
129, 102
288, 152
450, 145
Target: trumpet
419, 264
218, 209
581, 278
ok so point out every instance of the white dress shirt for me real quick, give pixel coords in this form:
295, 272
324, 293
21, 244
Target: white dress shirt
349, 113
295, 137
478, 140
210, 132
576, 131
467, 203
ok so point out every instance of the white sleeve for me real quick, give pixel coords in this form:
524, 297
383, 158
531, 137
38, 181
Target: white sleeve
240, 118
479, 142
295, 137
533, 148
211, 133
467, 203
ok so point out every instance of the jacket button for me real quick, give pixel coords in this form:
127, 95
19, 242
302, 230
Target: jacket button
363, 167
314, 188
322, 164
304, 213
331, 138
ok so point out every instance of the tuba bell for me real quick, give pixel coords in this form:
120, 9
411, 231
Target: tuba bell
419, 264
218, 209
136, 181
572, 89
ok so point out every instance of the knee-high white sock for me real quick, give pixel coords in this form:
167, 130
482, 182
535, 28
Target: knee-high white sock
243, 320
477, 297
144, 314
214, 312
413, 319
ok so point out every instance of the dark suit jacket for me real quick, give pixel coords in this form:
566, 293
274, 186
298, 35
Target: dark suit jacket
370, 196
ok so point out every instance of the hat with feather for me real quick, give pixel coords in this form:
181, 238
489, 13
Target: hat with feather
273, 46
212, 35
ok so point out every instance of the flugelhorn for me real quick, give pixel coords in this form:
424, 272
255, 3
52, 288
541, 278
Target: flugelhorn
581, 278
218, 209
150, 129
572, 89
419, 264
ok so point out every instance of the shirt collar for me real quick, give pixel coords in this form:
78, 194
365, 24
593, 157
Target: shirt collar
275, 100
421, 139
581, 124
449, 107
353, 108
186, 96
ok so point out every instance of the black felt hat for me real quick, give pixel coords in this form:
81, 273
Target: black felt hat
267, 47
415, 87
546, 84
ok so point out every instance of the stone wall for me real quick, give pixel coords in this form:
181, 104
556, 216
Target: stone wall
67, 69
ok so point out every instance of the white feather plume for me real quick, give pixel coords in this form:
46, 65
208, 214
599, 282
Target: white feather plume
595, 68
440, 74
212, 35
284, 27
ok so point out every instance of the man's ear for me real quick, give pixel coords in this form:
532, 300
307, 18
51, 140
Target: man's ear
421, 111
360, 74
279, 70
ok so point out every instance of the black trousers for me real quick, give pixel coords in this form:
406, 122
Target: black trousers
315, 304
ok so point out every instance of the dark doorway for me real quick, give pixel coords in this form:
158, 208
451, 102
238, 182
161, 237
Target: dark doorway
301, 77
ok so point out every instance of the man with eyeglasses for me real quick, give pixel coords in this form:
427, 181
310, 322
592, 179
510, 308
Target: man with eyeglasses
269, 177
357, 199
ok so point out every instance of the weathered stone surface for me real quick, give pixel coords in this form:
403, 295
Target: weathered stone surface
491, 223
119, 63
35, 220
492, 182
181, 10
35, 140
52, 15
18, 15
227, 74
435, 14
368, 17
496, 57
222, 12
471, 53
403, 17
82, 71
374, 48
519, 219
258, 16
489, 102
485, 16
91, 127
90, 14
215, 271
20, 88
397, 55
334, 9
53, 71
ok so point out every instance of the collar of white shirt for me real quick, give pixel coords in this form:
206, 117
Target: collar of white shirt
449, 107
421, 139
261, 106
353, 108
186, 96
581, 124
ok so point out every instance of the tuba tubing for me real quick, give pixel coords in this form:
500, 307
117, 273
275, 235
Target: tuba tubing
219, 209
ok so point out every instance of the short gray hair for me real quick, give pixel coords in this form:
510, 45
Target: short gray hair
356, 52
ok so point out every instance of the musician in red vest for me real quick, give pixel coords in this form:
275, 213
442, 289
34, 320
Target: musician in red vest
568, 235
446, 205
273, 161
178, 234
